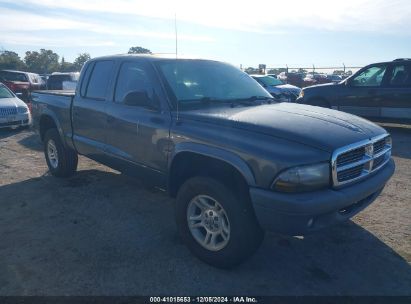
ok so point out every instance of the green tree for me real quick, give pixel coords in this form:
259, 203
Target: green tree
66, 66
11, 61
43, 62
138, 50
80, 61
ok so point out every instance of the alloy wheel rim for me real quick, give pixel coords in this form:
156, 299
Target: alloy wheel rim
208, 222
52, 153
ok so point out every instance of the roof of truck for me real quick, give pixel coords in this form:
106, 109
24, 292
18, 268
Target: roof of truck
149, 57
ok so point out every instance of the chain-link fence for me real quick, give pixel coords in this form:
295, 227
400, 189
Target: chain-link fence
277, 69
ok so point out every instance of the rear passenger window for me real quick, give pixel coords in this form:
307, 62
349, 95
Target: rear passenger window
85, 79
99, 80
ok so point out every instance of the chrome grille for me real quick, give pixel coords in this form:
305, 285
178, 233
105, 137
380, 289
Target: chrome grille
378, 161
4, 112
351, 156
350, 173
379, 146
357, 160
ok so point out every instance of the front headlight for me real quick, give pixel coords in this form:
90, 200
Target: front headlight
22, 110
303, 178
301, 94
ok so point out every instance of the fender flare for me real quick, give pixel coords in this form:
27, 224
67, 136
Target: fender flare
53, 116
214, 152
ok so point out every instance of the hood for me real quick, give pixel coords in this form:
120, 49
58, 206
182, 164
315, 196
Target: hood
317, 127
11, 102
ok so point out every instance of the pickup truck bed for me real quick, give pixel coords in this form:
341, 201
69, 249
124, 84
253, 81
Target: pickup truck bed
57, 106
57, 92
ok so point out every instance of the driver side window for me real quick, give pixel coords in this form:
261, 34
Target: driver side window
133, 77
371, 77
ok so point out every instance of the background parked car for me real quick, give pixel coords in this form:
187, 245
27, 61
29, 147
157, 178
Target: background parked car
13, 111
377, 90
62, 81
21, 83
313, 79
44, 77
334, 78
293, 78
277, 89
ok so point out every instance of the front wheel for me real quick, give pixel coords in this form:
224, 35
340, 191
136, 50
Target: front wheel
62, 161
218, 227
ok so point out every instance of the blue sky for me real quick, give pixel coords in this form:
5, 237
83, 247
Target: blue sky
297, 33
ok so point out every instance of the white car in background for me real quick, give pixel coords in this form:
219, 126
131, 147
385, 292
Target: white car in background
279, 90
13, 111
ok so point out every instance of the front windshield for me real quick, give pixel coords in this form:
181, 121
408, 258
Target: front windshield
270, 81
201, 80
4, 92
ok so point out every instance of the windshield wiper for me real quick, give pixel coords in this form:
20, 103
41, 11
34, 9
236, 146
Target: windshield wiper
249, 101
252, 99
205, 99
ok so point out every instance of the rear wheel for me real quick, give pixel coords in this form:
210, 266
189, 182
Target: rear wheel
218, 227
62, 161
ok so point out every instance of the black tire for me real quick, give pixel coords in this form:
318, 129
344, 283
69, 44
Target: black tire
67, 158
245, 232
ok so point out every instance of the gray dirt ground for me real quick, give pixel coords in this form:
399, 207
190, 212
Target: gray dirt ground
102, 233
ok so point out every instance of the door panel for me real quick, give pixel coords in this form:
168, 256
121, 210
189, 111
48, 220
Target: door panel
397, 92
89, 110
360, 101
363, 95
138, 135
89, 124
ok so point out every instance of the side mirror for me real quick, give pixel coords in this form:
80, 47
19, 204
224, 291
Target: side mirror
138, 98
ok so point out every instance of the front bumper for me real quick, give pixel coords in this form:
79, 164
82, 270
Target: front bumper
303, 213
19, 120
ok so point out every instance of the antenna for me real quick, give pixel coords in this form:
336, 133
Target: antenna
175, 30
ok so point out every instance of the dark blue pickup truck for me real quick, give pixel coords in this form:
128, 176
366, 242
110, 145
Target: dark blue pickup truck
237, 162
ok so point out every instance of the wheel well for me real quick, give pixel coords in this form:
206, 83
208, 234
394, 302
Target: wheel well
46, 123
188, 164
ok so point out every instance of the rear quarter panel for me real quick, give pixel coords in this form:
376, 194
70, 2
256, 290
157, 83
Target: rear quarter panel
56, 105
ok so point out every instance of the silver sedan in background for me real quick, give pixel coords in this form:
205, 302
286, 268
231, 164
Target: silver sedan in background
13, 111
279, 90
